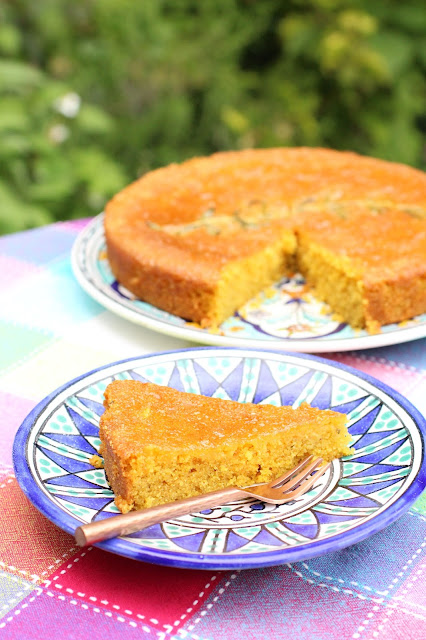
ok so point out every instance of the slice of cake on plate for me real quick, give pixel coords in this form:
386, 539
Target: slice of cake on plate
160, 445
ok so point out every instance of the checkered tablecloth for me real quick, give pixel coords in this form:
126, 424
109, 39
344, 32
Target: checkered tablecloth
51, 332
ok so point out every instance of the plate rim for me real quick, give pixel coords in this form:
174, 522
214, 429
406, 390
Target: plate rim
185, 559
298, 345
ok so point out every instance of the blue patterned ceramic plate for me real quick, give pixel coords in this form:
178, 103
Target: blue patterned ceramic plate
284, 317
360, 495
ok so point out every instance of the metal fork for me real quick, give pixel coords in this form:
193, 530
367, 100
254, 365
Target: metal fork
287, 487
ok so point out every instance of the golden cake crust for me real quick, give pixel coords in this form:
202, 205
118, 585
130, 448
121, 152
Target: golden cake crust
180, 235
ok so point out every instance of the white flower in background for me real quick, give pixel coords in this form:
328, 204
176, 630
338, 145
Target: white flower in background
58, 133
68, 105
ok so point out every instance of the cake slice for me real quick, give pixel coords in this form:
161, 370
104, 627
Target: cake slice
368, 265
200, 272
160, 445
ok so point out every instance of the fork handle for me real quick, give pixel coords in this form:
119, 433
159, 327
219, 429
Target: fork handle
127, 523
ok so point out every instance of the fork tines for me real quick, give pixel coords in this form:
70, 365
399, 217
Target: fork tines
291, 480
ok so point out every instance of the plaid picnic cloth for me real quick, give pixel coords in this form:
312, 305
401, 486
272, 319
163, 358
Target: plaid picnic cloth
50, 332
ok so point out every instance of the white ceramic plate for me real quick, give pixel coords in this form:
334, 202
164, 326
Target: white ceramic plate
286, 318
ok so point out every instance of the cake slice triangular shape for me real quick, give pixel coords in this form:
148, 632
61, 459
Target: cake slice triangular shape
160, 445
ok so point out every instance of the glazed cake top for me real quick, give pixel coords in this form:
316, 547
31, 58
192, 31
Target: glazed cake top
140, 415
207, 211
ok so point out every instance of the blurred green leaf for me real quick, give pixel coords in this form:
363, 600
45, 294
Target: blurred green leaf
92, 120
18, 77
299, 33
10, 39
13, 115
396, 50
13, 144
53, 180
16, 214
101, 174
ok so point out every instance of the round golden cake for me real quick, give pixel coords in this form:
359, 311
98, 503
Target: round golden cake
201, 238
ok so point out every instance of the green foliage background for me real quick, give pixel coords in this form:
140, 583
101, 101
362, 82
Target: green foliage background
93, 93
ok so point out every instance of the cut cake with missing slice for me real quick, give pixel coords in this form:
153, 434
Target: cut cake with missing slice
160, 445
202, 238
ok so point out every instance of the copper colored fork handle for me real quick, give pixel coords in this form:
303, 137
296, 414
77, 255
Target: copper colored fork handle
124, 524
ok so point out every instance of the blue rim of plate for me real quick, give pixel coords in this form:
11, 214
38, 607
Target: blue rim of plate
193, 560
285, 318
